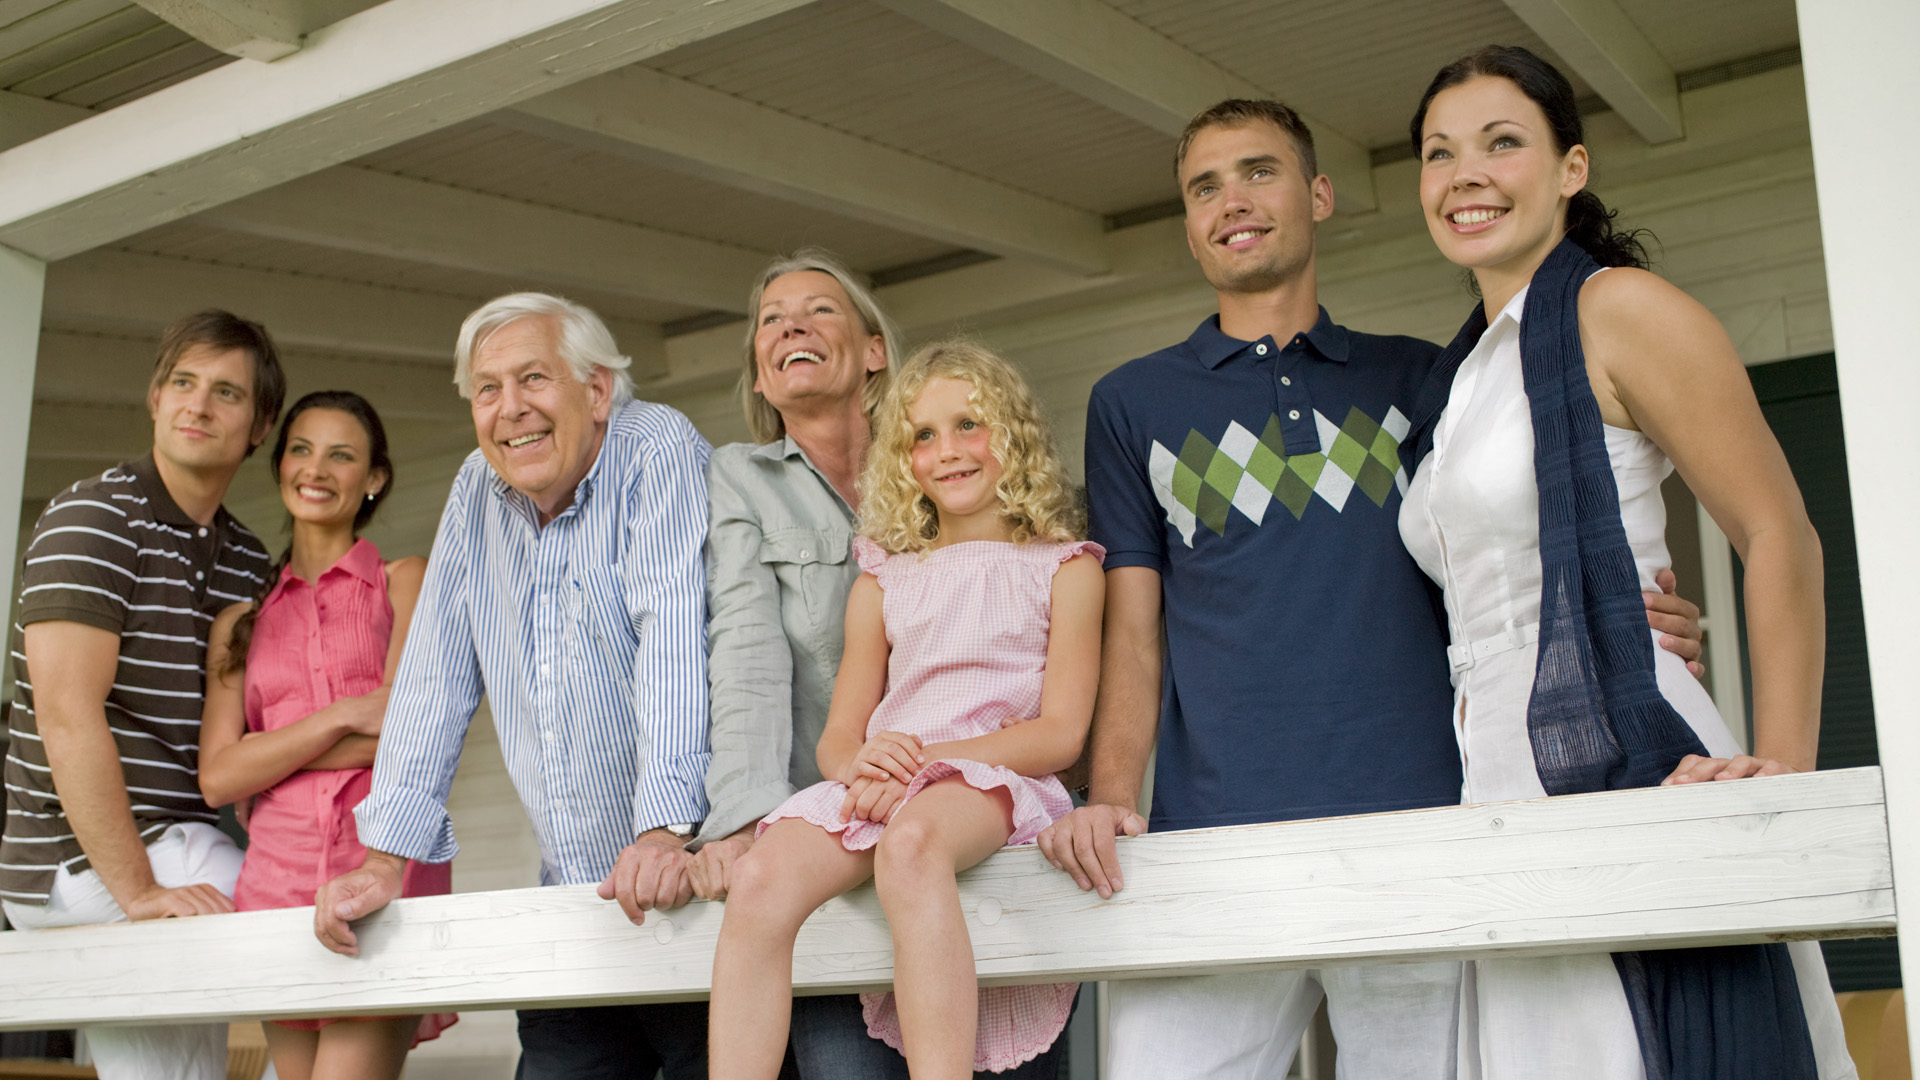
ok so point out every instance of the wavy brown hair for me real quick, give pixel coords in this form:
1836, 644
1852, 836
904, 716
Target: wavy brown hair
1036, 495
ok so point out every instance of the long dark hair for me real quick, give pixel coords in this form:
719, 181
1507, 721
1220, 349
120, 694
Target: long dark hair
1589, 223
378, 460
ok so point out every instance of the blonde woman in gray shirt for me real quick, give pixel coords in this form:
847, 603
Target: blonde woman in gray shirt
817, 357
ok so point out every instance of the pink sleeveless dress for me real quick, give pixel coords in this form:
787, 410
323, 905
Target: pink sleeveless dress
968, 628
312, 645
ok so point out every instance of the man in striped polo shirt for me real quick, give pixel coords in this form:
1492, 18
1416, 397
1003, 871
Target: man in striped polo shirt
124, 575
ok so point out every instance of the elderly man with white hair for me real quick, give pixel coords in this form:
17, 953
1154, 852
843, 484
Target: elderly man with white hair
566, 583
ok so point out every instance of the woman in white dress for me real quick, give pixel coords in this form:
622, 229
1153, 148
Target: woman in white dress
1503, 180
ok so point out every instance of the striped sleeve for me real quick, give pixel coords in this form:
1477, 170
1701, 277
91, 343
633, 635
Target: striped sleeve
82, 564
435, 693
666, 590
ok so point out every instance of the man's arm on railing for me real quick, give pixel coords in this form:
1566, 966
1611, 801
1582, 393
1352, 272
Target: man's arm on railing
355, 895
73, 665
1126, 720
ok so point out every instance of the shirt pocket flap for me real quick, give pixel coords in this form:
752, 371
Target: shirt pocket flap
805, 546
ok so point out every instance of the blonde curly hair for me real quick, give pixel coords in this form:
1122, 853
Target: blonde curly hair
1038, 496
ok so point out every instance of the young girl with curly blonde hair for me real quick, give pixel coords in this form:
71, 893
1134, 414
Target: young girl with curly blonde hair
955, 705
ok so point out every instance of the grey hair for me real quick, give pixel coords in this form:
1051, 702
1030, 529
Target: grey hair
585, 341
763, 420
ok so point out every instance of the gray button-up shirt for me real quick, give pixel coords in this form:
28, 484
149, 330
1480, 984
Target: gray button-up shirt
778, 573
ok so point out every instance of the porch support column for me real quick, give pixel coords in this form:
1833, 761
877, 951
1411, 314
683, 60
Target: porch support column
1863, 98
22, 282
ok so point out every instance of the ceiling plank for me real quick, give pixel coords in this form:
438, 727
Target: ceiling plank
104, 369
264, 30
128, 293
373, 213
1090, 48
1600, 43
652, 117
24, 119
387, 74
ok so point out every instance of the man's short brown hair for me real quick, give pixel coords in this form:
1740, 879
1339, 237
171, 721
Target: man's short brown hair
1234, 112
222, 331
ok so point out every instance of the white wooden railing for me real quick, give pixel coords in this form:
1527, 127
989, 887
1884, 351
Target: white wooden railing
1758, 860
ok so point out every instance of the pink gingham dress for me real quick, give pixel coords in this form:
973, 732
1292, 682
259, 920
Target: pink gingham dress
967, 625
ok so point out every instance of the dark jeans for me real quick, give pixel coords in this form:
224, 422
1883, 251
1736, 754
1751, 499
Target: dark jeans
830, 1042
614, 1042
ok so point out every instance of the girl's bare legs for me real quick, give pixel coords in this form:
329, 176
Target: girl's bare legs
946, 828
794, 868
348, 1050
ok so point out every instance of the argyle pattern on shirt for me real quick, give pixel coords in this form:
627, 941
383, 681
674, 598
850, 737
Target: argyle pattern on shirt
1248, 472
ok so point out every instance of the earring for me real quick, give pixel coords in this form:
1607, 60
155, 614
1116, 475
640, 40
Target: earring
370, 495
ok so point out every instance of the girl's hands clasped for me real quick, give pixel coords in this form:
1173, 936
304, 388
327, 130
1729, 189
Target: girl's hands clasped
893, 755
872, 800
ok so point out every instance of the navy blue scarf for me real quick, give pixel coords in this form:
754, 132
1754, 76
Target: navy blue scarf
1596, 719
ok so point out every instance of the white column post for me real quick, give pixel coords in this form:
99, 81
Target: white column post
22, 282
1863, 99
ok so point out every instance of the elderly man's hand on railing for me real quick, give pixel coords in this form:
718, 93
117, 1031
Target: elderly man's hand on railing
1082, 844
651, 873
355, 895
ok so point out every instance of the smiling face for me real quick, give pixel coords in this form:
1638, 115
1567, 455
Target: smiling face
203, 414
811, 346
539, 427
953, 460
1250, 207
1493, 185
326, 471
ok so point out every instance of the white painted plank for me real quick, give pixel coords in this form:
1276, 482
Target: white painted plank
394, 71
373, 213
262, 30
1861, 81
1096, 51
1779, 858
653, 117
1606, 48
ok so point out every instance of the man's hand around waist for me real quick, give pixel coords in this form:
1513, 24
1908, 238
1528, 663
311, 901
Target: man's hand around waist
355, 895
651, 873
1082, 844
159, 902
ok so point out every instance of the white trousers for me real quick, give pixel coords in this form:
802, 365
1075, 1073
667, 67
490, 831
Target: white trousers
191, 854
1391, 1021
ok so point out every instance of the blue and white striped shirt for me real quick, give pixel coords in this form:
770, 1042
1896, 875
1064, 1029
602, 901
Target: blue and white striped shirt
588, 637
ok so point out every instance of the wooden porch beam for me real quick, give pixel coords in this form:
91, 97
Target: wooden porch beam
655, 118
1603, 45
373, 213
263, 30
1861, 84
387, 74
22, 284
1098, 52
1753, 860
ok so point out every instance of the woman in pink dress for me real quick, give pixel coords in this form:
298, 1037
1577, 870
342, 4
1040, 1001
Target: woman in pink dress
956, 702
296, 692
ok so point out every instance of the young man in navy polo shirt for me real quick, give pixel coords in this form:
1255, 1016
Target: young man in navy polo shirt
1246, 484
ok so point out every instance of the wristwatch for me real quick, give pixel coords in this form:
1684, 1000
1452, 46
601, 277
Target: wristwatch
680, 829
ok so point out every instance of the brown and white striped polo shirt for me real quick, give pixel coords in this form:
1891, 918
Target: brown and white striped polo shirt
116, 552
